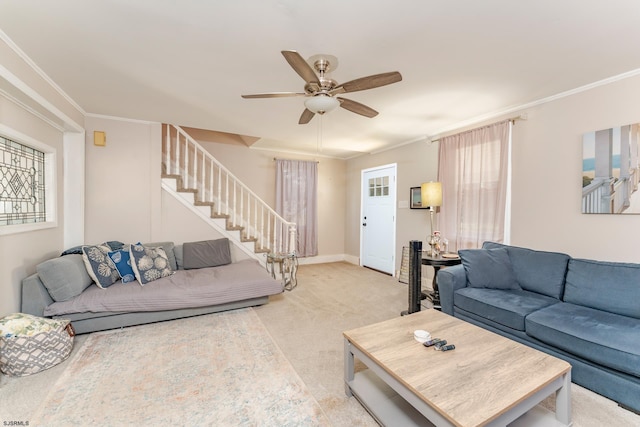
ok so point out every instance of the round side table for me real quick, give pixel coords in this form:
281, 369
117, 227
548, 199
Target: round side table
437, 263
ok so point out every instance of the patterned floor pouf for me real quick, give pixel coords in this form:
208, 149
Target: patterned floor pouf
30, 344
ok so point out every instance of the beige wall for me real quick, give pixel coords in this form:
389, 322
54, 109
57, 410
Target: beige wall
257, 169
51, 114
179, 225
124, 200
122, 181
546, 166
547, 175
416, 163
21, 252
546, 179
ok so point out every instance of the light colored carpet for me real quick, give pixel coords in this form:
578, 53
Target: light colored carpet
332, 298
220, 369
307, 325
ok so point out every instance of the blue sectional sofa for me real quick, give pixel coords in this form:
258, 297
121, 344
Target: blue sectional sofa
585, 312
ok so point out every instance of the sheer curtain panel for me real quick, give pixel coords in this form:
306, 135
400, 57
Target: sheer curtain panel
473, 169
296, 201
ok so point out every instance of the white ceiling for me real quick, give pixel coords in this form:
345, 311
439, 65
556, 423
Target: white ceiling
187, 62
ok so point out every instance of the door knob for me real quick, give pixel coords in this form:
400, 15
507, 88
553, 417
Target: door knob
364, 224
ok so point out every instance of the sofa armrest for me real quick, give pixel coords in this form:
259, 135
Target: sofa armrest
35, 296
450, 279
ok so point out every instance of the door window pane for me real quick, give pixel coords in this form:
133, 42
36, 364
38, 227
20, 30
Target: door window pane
379, 187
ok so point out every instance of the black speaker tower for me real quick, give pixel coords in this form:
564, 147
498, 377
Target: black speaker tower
415, 276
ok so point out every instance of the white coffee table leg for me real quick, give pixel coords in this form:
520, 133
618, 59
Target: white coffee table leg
563, 401
349, 367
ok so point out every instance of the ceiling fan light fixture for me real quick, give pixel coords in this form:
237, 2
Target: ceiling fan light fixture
321, 103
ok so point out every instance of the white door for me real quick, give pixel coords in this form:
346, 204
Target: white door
378, 225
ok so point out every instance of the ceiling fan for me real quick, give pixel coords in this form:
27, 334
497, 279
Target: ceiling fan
321, 91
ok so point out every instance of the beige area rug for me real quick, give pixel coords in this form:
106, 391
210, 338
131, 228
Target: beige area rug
218, 369
306, 324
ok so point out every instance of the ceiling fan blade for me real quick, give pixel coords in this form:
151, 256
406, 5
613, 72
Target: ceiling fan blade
273, 95
306, 116
370, 82
300, 66
356, 107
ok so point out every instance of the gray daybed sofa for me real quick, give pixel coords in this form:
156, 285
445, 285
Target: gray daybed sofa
62, 287
585, 312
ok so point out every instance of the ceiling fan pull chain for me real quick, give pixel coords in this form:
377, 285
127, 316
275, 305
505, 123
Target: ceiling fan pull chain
319, 136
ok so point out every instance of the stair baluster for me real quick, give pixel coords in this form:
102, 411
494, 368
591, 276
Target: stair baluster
197, 172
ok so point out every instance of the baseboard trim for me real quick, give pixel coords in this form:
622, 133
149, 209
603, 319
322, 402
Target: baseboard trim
321, 259
352, 259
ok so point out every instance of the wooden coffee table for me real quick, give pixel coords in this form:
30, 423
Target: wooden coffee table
488, 380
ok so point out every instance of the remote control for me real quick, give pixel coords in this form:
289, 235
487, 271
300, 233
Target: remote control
446, 347
431, 342
440, 344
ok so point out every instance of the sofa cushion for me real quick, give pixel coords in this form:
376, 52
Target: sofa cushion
168, 250
149, 263
114, 245
187, 289
488, 268
537, 271
208, 253
604, 338
64, 277
608, 286
178, 253
506, 307
99, 265
73, 250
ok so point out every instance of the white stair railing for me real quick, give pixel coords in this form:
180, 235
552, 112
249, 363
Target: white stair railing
216, 186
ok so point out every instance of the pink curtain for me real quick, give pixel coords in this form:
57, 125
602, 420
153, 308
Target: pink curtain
296, 201
473, 169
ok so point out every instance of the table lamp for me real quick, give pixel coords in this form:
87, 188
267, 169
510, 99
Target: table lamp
431, 195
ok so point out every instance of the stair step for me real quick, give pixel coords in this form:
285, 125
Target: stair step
171, 176
186, 190
204, 209
200, 203
178, 185
176, 178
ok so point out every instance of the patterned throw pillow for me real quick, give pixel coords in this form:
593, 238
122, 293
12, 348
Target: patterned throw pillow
149, 263
122, 259
99, 265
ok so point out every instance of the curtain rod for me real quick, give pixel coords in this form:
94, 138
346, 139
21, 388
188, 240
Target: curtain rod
513, 121
276, 158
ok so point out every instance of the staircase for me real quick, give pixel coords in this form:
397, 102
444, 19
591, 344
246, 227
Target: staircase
202, 184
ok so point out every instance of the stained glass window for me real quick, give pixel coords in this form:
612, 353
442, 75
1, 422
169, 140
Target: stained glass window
22, 186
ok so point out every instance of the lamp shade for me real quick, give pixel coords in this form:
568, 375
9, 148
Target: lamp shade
321, 103
431, 194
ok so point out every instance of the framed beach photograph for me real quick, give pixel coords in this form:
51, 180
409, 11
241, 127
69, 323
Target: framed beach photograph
611, 171
415, 199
